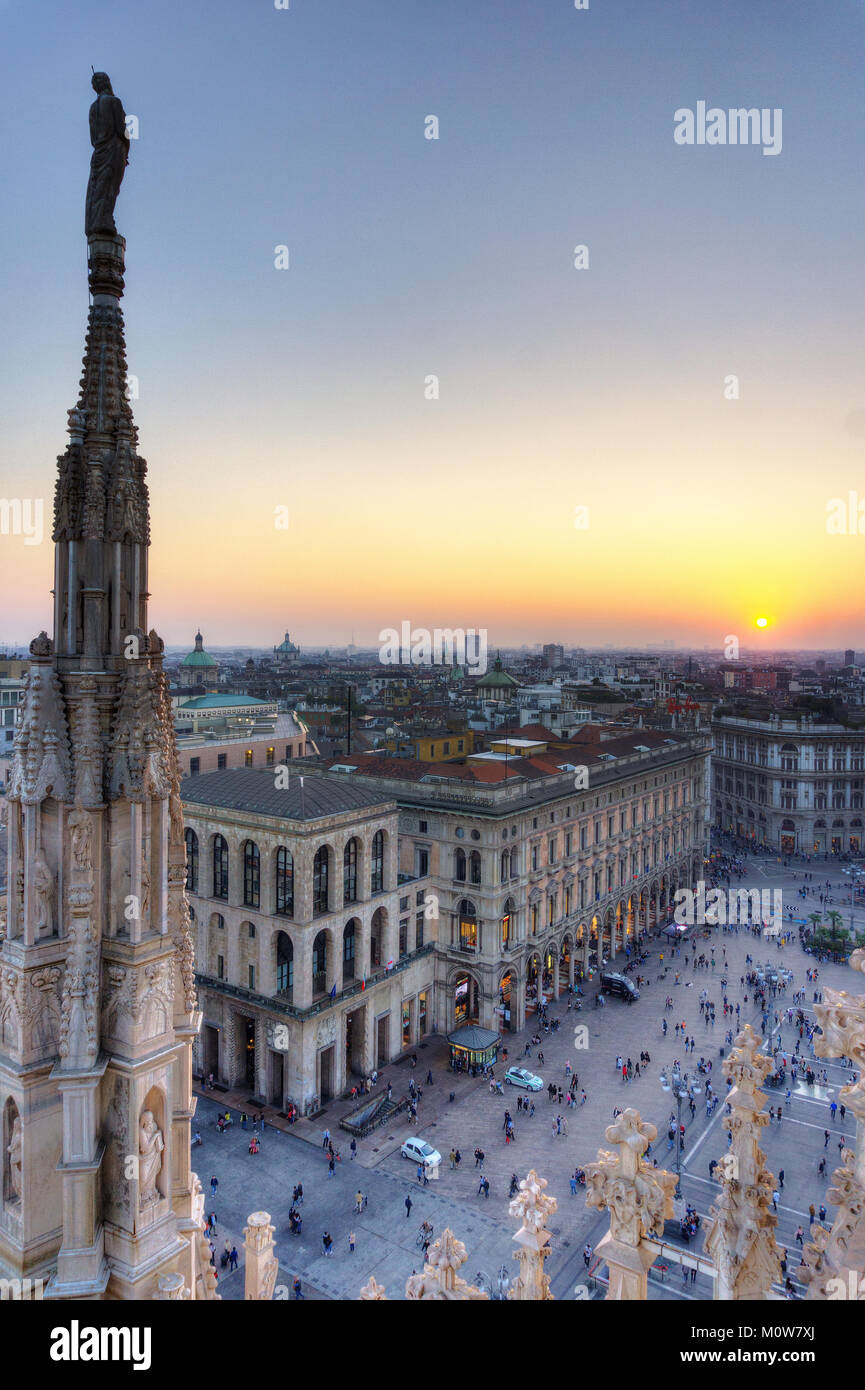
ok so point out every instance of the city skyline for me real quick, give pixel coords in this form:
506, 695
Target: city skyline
300, 393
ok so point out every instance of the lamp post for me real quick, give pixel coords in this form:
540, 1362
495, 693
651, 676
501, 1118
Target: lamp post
682, 1088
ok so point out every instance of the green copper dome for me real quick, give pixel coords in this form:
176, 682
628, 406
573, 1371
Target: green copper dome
198, 656
497, 679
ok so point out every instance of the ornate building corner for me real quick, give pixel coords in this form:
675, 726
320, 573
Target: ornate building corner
261, 1266
533, 1207
373, 1292
639, 1199
834, 1260
170, 1288
741, 1237
439, 1279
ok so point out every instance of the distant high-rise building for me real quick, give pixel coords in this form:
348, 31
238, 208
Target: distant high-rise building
849, 657
554, 655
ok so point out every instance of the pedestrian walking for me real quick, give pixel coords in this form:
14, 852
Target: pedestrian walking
408, 1206
351, 1242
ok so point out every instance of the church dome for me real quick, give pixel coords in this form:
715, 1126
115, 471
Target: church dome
497, 679
287, 646
198, 656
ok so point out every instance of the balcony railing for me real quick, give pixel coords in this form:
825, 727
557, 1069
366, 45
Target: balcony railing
275, 1004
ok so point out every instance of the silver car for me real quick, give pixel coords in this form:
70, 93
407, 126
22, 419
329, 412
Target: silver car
518, 1076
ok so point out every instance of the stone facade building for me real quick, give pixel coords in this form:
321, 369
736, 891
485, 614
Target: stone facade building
794, 783
314, 957
536, 881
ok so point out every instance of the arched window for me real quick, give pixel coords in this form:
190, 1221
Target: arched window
284, 882
348, 946
468, 923
191, 860
475, 866
319, 881
460, 865
319, 964
284, 963
349, 873
506, 866
789, 757
376, 878
507, 923
251, 875
376, 936
220, 867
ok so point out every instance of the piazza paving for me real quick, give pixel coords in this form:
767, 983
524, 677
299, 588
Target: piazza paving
385, 1244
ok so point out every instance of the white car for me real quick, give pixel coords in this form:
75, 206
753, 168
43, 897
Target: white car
518, 1076
419, 1151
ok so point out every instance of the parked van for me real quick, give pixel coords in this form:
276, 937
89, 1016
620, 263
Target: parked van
614, 983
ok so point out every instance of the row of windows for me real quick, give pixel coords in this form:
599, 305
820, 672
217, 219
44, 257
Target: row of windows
676, 796
792, 758
248, 759
284, 876
789, 796
285, 954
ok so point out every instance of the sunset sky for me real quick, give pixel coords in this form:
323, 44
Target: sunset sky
600, 388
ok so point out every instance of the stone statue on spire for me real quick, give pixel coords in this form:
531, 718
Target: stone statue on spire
110, 157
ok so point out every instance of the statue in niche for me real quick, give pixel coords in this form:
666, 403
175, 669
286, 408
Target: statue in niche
145, 894
43, 893
82, 839
14, 1151
150, 1149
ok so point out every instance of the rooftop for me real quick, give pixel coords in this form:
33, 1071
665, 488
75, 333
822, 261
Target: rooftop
254, 790
224, 702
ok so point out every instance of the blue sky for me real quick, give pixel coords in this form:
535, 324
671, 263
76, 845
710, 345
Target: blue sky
304, 127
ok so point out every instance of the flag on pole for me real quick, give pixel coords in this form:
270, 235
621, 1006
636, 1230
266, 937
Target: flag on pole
333, 992
362, 986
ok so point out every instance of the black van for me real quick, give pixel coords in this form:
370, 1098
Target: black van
613, 983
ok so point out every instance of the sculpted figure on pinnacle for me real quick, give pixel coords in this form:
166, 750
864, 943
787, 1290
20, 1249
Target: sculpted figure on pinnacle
110, 157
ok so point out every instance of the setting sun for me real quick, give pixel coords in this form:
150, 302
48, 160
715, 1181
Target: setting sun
762, 622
